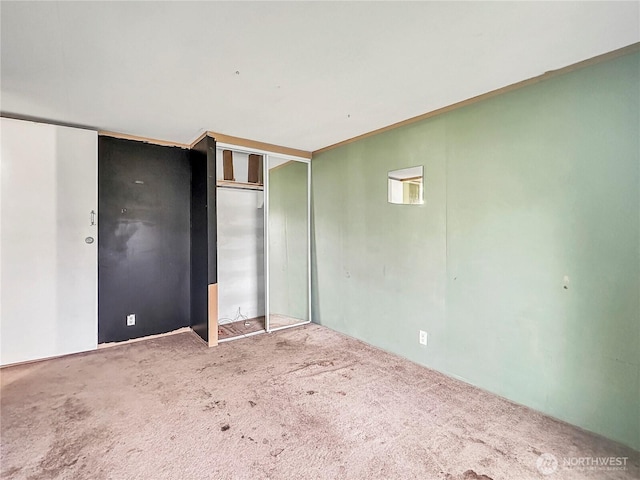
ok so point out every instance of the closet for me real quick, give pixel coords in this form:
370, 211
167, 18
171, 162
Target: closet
263, 248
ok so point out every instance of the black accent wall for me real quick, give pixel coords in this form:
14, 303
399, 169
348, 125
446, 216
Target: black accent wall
203, 232
144, 250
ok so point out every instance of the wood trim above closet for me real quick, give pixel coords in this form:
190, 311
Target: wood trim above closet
268, 147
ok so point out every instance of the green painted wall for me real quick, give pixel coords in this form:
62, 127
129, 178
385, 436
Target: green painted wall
288, 246
520, 190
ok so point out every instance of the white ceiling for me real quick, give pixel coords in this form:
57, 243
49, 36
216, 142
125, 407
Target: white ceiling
310, 73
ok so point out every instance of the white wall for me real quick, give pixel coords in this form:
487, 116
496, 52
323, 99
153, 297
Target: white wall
48, 273
240, 253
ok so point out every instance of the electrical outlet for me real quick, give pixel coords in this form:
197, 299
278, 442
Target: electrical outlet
423, 337
131, 319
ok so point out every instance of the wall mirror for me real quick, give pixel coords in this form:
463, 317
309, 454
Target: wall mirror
406, 186
287, 232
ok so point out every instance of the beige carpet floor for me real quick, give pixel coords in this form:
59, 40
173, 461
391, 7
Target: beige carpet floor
304, 403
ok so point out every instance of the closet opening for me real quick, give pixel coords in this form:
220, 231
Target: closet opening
240, 221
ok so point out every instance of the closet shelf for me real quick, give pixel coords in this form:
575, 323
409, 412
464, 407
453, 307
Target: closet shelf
243, 185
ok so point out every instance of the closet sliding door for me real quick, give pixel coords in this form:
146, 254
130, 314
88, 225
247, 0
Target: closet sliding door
287, 242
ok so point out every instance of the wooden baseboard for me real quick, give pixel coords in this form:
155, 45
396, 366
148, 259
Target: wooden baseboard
140, 339
213, 315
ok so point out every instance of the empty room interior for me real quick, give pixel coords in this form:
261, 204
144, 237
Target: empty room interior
320, 240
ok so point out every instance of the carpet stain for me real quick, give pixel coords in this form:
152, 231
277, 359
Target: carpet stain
144, 379
213, 405
10, 472
318, 363
66, 451
286, 344
202, 369
476, 440
204, 393
277, 451
487, 462
482, 442
468, 475
74, 410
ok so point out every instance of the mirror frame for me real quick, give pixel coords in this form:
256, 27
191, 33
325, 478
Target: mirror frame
265, 176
